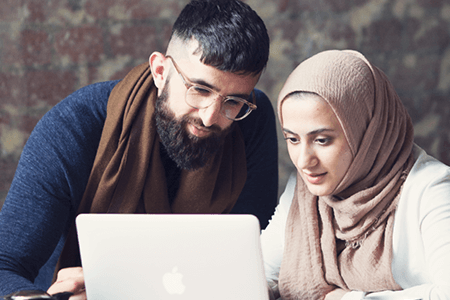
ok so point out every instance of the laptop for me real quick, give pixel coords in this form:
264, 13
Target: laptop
171, 256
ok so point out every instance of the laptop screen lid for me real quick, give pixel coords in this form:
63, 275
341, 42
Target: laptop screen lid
170, 256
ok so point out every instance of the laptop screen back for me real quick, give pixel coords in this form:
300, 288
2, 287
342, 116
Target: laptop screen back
141, 256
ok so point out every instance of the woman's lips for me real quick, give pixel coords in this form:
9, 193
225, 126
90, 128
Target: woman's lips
315, 178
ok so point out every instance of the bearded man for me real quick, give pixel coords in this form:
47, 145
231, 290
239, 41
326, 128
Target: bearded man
186, 132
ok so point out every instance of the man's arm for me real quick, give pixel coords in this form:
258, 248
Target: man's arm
47, 187
259, 196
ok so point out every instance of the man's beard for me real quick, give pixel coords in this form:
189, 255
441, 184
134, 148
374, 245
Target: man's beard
188, 151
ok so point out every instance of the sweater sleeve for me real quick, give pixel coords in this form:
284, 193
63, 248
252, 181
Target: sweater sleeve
48, 184
259, 196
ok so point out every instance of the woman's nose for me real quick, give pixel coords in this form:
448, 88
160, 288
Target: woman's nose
306, 158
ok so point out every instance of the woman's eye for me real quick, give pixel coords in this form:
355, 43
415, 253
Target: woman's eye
323, 141
292, 140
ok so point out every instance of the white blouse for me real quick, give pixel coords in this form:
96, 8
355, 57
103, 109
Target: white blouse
421, 238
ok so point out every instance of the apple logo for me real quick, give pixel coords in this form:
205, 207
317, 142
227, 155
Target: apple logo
172, 282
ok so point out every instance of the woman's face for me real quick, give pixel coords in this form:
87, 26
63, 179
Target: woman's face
316, 142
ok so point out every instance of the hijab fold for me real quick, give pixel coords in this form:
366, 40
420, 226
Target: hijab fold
128, 175
360, 213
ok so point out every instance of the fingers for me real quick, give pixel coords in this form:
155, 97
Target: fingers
79, 296
69, 280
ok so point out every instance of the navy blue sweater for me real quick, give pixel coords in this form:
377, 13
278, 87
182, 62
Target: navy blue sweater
54, 168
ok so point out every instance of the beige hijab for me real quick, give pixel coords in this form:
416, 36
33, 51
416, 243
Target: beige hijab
347, 243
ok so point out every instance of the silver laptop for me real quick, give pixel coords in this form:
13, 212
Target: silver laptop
141, 256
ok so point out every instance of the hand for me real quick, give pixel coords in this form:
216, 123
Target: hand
335, 294
70, 280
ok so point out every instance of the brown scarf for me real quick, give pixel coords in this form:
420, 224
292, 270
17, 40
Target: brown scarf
128, 175
346, 242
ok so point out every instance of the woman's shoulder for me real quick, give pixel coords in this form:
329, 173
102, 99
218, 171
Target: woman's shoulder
426, 164
426, 171
427, 184
421, 227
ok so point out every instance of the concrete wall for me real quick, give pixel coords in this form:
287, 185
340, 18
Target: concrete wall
50, 48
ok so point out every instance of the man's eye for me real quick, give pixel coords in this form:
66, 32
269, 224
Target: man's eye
200, 90
233, 103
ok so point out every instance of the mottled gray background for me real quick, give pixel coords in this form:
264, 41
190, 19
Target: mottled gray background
50, 48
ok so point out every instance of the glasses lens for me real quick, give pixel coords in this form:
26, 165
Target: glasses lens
199, 97
233, 108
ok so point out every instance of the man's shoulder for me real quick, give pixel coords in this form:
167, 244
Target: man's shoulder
88, 100
264, 112
83, 111
259, 128
262, 119
262, 101
99, 90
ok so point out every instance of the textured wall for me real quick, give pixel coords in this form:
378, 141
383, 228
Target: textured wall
50, 48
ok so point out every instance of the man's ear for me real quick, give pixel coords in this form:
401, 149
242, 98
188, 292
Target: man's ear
157, 63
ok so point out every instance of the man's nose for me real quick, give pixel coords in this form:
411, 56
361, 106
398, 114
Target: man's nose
210, 115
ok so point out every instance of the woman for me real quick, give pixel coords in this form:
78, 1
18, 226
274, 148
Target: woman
367, 214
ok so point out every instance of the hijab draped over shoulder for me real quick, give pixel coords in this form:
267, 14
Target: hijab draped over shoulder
345, 240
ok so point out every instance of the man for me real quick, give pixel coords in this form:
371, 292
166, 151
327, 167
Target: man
186, 133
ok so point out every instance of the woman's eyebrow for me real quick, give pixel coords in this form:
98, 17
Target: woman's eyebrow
288, 131
317, 131
314, 132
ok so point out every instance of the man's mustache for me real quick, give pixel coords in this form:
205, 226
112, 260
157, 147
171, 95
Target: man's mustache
199, 123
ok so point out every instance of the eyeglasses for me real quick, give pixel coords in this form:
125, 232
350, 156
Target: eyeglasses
199, 97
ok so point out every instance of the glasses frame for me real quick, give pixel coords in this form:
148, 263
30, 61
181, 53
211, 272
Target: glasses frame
188, 84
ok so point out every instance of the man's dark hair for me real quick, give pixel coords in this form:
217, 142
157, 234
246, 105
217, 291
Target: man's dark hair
232, 36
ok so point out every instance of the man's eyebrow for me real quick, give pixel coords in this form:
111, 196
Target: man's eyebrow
204, 83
